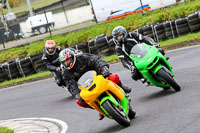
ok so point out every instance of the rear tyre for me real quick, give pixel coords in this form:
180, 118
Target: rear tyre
168, 79
116, 114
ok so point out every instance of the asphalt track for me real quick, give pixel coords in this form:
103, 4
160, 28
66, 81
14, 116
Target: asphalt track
158, 111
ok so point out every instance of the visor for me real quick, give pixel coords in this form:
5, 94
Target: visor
66, 62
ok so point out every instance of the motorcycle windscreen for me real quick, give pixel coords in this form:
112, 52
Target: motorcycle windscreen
86, 79
138, 51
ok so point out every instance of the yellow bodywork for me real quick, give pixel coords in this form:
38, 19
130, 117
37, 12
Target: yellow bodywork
102, 85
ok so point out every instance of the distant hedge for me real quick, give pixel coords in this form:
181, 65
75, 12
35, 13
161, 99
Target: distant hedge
84, 35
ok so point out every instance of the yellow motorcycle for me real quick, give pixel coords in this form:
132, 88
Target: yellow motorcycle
106, 97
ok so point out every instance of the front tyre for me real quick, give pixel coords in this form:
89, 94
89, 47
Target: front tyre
116, 113
168, 79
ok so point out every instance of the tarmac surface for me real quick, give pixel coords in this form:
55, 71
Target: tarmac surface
35, 125
172, 112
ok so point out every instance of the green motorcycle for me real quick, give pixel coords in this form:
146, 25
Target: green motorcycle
153, 66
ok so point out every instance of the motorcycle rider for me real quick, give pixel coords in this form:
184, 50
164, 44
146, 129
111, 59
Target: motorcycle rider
75, 65
124, 42
50, 58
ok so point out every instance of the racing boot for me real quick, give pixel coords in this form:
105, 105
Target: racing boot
144, 81
125, 88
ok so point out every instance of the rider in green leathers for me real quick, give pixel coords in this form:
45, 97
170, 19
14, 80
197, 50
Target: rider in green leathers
124, 42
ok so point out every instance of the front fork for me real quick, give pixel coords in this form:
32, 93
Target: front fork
123, 105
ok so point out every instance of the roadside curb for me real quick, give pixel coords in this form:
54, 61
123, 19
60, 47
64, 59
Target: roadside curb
43, 125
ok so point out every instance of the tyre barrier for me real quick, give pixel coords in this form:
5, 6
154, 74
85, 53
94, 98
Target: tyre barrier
159, 32
82, 47
174, 28
194, 21
3, 76
182, 26
92, 45
168, 28
100, 45
149, 31
11, 69
139, 30
38, 64
112, 45
26, 66
103, 45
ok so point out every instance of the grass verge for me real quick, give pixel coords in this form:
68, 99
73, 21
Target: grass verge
31, 78
84, 35
23, 7
5, 130
188, 37
187, 40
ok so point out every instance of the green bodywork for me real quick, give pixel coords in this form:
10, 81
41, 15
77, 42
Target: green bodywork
124, 104
149, 65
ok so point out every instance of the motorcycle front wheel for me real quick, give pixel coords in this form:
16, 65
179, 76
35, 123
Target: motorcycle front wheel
168, 79
117, 114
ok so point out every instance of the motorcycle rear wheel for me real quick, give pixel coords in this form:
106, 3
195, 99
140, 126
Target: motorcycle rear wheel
116, 114
168, 79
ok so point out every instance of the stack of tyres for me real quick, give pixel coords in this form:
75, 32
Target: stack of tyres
3, 76
149, 31
139, 30
11, 69
159, 32
38, 64
169, 33
92, 45
82, 47
194, 21
26, 66
182, 26
174, 28
111, 44
99, 45
103, 46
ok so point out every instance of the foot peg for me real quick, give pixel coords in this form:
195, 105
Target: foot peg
101, 116
144, 81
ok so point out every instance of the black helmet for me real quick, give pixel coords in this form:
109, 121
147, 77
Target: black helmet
119, 30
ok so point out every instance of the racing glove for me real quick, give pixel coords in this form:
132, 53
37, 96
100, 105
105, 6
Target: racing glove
105, 72
58, 69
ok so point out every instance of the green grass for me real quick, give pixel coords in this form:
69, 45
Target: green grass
5, 130
22, 8
84, 35
47, 73
82, 3
34, 76
110, 58
188, 37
